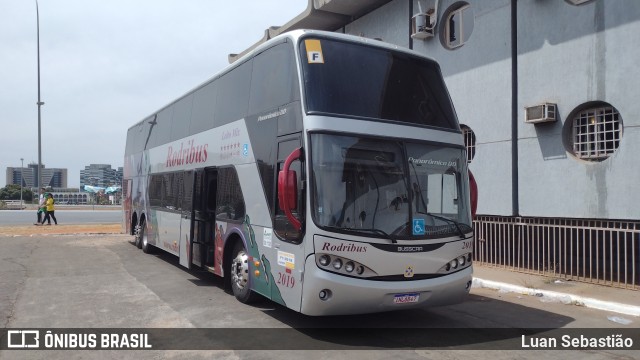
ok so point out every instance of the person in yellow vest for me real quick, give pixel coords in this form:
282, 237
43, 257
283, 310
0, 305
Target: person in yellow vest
50, 211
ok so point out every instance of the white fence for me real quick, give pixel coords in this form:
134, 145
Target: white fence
14, 204
594, 251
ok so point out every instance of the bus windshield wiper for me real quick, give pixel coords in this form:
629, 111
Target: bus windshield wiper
375, 231
449, 221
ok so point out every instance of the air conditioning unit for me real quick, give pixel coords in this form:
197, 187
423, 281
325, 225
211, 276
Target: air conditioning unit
545, 112
577, 2
422, 26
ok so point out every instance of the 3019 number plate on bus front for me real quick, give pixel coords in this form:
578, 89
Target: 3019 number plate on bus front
406, 298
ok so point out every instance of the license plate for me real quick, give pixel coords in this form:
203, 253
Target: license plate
406, 298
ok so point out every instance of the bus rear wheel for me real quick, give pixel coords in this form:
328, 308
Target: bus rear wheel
240, 277
138, 233
142, 241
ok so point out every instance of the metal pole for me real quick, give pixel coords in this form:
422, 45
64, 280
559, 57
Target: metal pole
21, 167
40, 103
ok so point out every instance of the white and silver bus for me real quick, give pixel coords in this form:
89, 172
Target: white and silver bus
322, 171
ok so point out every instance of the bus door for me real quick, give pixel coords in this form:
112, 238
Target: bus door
288, 256
204, 207
187, 250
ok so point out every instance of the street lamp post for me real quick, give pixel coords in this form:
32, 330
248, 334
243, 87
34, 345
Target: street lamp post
40, 103
21, 168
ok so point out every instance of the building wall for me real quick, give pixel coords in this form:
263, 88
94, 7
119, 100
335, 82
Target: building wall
566, 54
571, 55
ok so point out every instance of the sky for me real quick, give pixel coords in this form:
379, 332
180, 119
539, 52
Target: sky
106, 64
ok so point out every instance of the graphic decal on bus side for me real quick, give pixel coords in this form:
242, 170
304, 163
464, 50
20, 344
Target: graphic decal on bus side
265, 283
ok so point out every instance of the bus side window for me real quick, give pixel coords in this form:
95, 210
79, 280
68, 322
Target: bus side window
273, 80
229, 199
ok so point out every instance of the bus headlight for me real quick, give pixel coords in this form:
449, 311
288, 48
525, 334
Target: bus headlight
324, 260
349, 266
461, 260
458, 263
344, 266
337, 264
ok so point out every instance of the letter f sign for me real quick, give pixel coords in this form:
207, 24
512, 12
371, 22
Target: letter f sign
314, 51
315, 57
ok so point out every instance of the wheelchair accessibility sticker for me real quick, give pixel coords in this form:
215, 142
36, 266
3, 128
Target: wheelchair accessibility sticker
418, 226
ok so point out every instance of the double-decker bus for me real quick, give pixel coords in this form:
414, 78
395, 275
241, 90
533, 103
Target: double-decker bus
323, 171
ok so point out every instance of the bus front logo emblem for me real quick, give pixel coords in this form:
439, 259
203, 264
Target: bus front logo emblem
408, 272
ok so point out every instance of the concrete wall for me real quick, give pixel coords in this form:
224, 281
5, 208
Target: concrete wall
566, 54
571, 55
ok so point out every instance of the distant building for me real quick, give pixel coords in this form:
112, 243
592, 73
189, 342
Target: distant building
71, 196
51, 177
100, 175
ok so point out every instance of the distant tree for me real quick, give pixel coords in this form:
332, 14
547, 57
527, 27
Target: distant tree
12, 192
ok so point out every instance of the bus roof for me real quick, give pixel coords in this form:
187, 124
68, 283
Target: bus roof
293, 36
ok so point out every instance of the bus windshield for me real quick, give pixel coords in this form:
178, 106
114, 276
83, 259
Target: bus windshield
368, 82
369, 186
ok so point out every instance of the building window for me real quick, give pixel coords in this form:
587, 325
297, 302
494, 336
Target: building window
469, 142
596, 132
458, 25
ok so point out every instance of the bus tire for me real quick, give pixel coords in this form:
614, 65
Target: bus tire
138, 233
240, 276
144, 239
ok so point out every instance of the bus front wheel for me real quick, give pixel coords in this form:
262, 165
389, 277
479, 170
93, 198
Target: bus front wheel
240, 277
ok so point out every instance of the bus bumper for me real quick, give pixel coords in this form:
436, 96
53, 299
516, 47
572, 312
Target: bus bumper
346, 295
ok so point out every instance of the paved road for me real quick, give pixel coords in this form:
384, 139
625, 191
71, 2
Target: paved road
104, 281
64, 216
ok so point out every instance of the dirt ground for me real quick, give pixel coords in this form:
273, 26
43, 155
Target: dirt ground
29, 230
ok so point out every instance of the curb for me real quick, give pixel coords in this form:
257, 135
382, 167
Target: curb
564, 298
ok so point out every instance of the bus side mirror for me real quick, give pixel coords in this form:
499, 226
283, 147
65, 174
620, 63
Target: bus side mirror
473, 187
288, 189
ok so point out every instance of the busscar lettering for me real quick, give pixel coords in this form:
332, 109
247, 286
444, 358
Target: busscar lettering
343, 247
410, 248
189, 154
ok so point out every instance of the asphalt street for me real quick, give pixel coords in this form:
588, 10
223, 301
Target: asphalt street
104, 281
65, 216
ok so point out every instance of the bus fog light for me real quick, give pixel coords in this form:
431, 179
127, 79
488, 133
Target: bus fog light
337, 264
324, 294
469, 257
349, 266
454, 263
360, 270
324, 260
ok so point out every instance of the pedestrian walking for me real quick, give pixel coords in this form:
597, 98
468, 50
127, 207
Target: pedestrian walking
50, 214
41, 205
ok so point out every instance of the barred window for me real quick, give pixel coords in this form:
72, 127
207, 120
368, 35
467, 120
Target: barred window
469, 142
596, 133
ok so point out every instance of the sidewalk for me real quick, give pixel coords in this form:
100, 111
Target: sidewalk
567, 292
